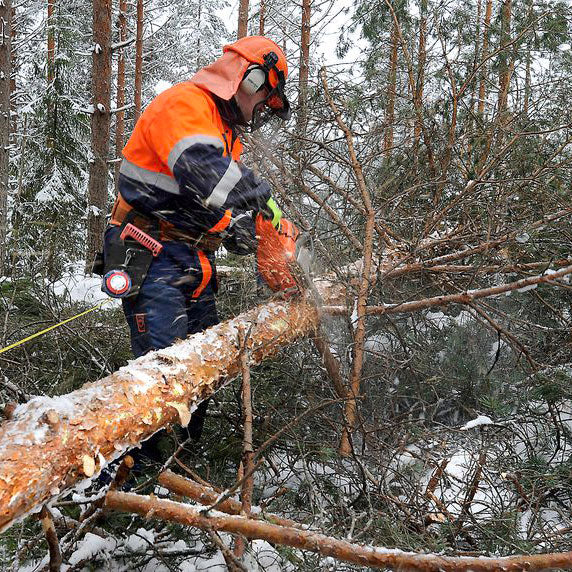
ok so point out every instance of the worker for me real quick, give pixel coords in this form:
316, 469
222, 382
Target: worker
182, 184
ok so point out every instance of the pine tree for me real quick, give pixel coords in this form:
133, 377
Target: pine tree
100, 126
5, 122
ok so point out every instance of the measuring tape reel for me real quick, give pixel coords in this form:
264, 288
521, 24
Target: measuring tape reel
116, 283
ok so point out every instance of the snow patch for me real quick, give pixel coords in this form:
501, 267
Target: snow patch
480, 420
90, 546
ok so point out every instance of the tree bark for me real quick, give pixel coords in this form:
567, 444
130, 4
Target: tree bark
242, 19
5, 125
395, 559
484, 55
207, 496
51, 69
505, 66
304, 68
391, 93
120, 114
247, 463
138, 61
261, 17
51, 41
365, 278
462, 298
421, 60
52, 540
52, 443
100, 122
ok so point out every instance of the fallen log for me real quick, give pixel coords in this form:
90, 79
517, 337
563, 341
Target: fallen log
207, 496
152, 507
49, 444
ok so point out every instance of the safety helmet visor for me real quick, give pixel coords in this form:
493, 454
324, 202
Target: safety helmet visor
275, 103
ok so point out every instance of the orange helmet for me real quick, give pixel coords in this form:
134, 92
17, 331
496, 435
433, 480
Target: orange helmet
256, 50
262, 63
268, 69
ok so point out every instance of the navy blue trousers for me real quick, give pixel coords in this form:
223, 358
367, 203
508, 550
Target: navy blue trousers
167, 307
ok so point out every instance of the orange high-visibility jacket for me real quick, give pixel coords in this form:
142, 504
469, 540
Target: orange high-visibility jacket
180, 164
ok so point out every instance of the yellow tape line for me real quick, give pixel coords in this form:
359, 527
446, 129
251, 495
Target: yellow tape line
16, 344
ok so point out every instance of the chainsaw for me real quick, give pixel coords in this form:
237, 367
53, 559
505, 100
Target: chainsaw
285, 258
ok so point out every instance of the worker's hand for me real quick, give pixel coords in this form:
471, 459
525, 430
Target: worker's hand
270, 211
240, 237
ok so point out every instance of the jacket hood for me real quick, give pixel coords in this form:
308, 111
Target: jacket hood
223, 76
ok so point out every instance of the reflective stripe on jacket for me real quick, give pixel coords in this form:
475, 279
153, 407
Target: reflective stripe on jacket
180, 163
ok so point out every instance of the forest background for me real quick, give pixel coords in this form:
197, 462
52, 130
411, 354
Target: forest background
433, 146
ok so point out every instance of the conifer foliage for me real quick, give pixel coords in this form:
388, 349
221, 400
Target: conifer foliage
428, 161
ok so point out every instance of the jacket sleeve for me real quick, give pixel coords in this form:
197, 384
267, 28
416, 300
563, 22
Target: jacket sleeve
186, 139
240, 236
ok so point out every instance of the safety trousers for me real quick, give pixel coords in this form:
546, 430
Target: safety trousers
176, 299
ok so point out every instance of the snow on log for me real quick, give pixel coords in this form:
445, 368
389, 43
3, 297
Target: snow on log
50, 444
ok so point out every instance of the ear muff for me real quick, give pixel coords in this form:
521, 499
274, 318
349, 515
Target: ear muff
253, 80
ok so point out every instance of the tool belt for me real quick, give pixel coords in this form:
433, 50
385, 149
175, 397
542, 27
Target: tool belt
167, 231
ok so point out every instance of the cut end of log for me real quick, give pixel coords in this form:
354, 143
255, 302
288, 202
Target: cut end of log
9, 408
51, 418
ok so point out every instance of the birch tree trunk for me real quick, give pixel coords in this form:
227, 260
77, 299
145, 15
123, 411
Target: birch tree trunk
100, 121
138, 60
242, 19
5, 126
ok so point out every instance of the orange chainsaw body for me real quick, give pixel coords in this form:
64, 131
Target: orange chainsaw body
276, 253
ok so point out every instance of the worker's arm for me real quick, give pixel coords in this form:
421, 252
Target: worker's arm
186, 139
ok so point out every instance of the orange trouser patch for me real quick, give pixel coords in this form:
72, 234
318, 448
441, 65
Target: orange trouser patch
207, 273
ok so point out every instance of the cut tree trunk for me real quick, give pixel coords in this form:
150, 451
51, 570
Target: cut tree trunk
50, 444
